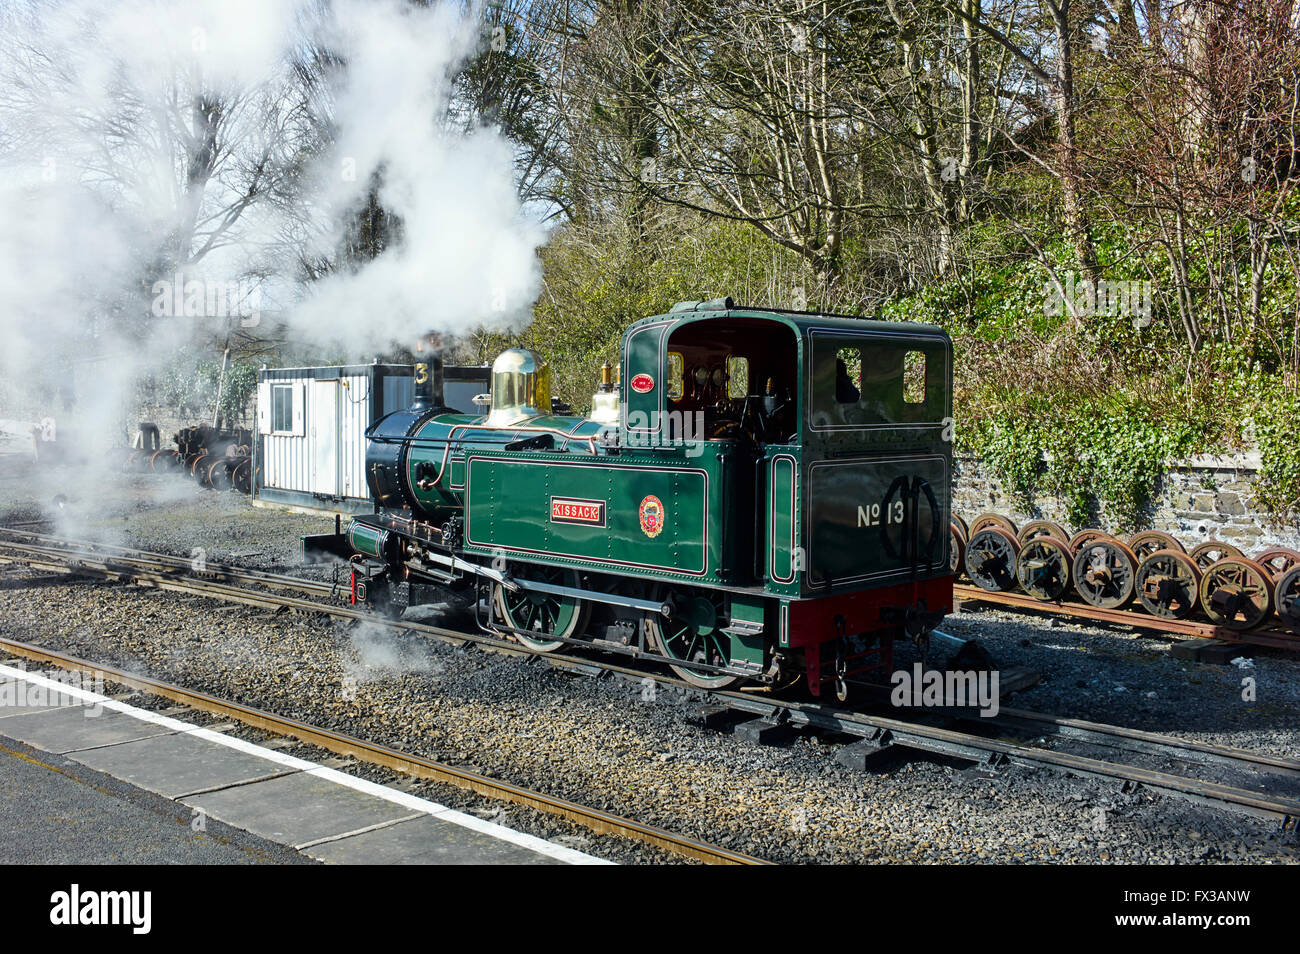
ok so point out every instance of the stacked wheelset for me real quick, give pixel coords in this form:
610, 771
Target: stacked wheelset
1214, 579
231, 471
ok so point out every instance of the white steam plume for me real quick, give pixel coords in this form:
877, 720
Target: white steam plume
467, 254
101, 128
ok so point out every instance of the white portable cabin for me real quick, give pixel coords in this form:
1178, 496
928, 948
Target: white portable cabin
310, 448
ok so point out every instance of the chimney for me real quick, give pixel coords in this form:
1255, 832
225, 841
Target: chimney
428, 373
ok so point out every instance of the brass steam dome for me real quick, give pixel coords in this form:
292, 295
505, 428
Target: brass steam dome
521, 388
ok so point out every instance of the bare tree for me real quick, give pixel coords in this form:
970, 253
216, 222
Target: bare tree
1056, 75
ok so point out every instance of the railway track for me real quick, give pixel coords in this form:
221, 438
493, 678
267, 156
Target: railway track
1149, 743
148, 560
872, 732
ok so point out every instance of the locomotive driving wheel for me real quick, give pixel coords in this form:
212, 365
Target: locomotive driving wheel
542, 621
693, 633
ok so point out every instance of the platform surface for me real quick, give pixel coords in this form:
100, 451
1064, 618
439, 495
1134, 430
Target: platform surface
166, 773
56, 811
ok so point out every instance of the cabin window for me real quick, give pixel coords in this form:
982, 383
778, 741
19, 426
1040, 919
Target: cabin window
676, 370
848, 376
914, 377
282, 408
866, 382
737, 377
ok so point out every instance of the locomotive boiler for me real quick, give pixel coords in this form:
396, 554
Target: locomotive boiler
762, 496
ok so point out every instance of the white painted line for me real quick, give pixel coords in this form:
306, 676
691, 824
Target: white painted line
443, 812
539, 845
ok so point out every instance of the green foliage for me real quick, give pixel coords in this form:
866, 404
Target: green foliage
188, 383
1093, 411
600, 279
1088, 457
1277, 431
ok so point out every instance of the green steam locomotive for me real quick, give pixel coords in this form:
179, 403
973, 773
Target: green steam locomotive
762, 496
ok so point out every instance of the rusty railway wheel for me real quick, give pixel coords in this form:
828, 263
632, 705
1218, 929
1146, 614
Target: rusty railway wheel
1168, 584
985, 520
956, 549
1105, 573
162, 460
241, 477
1152, 541
1278, 561
1042, 528
1286, 599
1087, 536
1237, 593
961, 522
1206, 554
219, 476
1043, 568
199, 468
991, 559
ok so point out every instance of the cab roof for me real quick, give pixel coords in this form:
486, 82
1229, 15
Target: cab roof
801, 322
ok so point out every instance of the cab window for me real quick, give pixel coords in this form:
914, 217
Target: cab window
737, 377
865, 381
676, 369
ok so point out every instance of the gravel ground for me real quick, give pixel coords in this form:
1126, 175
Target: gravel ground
611, 744
1127, 677
166, 513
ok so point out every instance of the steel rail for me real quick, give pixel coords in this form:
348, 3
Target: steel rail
130, 554
881, 730
194, 583
375, 753
1139, 740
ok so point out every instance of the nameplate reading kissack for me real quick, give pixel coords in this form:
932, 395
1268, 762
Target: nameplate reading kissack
577, 510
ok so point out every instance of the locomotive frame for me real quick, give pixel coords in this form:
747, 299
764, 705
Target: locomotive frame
764, 496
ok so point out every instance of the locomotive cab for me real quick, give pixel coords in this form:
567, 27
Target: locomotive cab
839, 430
850, 418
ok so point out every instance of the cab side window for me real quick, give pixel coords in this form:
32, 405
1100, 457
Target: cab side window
737, 377
676, 371
868, 382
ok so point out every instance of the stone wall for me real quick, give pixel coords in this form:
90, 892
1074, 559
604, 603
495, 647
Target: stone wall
1200, 499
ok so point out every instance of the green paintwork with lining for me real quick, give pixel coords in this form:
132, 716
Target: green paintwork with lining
509, 500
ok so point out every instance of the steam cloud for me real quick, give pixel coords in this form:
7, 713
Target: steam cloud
99, 129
